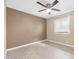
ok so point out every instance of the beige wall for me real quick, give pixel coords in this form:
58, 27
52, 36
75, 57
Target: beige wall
22, 28
62, 38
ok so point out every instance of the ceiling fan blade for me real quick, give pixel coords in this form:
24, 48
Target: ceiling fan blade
55, 2
41, 10
41, 4
55, 9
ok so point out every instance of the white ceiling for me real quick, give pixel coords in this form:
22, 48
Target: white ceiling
31, 7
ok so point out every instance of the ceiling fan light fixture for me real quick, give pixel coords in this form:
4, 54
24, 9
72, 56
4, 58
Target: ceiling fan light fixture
48, 10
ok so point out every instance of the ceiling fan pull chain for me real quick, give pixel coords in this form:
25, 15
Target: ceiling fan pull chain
49, 13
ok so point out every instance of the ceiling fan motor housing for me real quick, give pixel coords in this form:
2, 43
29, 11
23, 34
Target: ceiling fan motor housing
49, 5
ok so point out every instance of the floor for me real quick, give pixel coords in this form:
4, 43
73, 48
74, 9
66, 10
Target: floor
43, 50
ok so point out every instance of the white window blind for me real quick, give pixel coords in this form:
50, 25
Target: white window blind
62, 25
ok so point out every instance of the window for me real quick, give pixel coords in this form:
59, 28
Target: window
61, 25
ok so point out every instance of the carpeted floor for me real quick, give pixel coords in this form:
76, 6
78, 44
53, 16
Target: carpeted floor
43, 50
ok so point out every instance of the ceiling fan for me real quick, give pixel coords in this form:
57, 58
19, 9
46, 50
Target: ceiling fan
49, 6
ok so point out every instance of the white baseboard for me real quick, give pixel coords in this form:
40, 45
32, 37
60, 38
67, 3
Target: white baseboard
60, 43
38, 42
24, 45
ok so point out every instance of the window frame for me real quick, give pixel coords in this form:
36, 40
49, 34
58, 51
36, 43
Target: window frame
68, 32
